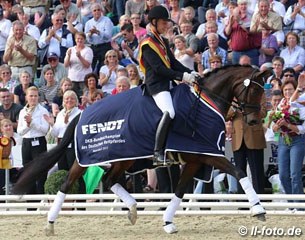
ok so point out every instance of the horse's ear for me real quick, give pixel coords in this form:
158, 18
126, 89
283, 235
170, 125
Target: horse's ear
264, 74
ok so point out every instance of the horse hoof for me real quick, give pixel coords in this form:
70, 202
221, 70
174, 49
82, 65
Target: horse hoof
132, 214
259, 212
170, 228
49, 229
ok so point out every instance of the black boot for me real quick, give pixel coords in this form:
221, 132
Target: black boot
161, 135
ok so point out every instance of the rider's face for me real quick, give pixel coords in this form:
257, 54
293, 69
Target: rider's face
162, 26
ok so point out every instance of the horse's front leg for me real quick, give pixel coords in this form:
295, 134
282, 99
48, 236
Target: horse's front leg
187, 174
112, 178
226, 166
75, 173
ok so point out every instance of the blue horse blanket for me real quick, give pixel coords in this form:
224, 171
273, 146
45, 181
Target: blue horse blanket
122, 127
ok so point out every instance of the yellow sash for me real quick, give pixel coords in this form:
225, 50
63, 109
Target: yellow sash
153, 44
5, 152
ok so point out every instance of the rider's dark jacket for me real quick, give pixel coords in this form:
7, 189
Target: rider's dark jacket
159, 64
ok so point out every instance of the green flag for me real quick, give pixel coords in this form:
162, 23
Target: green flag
92, 178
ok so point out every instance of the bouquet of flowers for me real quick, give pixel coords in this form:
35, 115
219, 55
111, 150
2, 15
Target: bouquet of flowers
291, 117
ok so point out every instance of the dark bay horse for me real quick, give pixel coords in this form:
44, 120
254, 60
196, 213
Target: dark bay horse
242, 85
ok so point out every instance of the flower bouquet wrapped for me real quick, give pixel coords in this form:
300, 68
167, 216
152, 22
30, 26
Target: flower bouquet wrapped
291, 117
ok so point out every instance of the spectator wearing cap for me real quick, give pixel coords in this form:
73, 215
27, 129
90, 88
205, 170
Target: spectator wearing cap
98, 31
5, 26
57, 38
30, 7
21, 51
69, 7
59, 69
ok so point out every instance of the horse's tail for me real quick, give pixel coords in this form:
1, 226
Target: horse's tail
45, 161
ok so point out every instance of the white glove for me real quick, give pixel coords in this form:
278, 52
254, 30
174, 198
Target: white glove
196, 74
188, 77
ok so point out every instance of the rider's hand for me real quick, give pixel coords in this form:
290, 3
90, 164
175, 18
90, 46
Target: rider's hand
196, 74
188, 77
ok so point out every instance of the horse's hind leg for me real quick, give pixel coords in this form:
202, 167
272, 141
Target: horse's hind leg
226, 166
75, 173
117, 169
188, 173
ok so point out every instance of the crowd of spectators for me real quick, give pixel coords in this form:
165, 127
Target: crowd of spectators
50, 47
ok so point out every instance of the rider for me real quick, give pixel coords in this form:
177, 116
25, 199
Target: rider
160, 67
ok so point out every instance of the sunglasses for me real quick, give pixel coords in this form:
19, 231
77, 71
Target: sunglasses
288, 75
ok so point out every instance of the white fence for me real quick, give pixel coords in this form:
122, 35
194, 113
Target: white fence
109, 204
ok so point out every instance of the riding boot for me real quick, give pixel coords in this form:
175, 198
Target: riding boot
161, 135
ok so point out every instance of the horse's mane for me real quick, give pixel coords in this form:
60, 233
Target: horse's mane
214, 71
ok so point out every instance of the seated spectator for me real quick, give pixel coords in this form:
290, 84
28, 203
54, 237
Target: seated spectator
181, 54
191, 41
117, 36
175, 11
213, 49
288, 74
122, 84
215, 61
49, 90
59, 69
276, 83
108, 71
294, 17
65, 84
5, 26
20, 90
134, 75
222, 9
6, 80
73, 25
149, 4
188, 14
138, 31
244, 60
278, 66
134, 6
293, 54
211, 16
69, 7
91, 83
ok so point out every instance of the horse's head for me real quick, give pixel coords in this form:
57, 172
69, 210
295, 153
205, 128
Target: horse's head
249, 96
242, 84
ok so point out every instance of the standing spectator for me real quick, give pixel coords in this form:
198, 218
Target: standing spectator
181, 54
85, 9
56, 39
20, 90
31, 7
29, 29
138, 31
116, 32
248, 143
213, 49
65, 84
8, 108
98, 31
32, 127
293, 54
122, 84
237, 31
5, 26
222, 9
134, 6
294, 17
265, 19
20, 51
108, 71
269, 47
58, 68
69, 7
78, 61
291, 153
6, 78
73, 25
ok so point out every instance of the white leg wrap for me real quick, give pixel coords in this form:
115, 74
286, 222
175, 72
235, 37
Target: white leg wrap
123, 195
171, 209
249, 190
53, 213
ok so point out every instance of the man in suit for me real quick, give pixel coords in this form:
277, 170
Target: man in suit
248, 143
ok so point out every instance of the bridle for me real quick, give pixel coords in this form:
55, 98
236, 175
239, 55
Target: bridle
237, 104
243, 105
